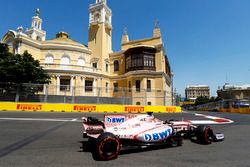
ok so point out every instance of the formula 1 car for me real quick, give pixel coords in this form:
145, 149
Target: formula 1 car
123, 131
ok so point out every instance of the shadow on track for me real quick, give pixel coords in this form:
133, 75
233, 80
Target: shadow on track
88, 147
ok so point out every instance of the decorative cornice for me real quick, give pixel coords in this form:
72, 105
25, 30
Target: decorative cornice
52, 46
141, 40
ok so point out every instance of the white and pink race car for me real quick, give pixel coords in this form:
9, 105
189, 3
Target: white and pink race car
124, 131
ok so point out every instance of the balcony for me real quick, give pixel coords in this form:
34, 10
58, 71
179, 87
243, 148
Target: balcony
73, 68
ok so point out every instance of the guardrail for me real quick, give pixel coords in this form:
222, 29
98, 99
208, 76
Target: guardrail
234, 106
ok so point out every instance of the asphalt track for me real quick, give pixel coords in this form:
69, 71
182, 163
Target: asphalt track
36, 139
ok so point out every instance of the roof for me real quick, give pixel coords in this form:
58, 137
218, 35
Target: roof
227, 86
197, 86
64, 41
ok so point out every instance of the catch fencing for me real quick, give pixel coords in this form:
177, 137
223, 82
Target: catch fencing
45, 93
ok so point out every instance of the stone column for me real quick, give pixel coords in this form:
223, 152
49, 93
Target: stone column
57, 84
94, 86
72, 85
83, 85
44, 89
18, 48
145, 89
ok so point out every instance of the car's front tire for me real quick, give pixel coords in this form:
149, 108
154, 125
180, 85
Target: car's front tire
204, 134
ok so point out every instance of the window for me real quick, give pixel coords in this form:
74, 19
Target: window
138, 103
81, 61
137, 60
116, 65
49, 59
88, 86
149, 103
138, 85
146, 61
148, 85
128, 62
115, 87
38, 38
10, 41
94, 65
129, 86
140, 58
64, 84
65, 60
107, 85
107, 67
97, 17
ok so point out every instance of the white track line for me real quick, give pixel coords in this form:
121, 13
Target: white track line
217, 120
40, 119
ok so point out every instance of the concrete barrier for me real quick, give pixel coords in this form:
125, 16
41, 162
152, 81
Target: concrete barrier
48, 107
236, 110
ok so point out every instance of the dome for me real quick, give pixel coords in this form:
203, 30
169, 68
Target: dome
62, 34
63, 38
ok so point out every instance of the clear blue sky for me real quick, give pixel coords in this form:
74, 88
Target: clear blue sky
207, 41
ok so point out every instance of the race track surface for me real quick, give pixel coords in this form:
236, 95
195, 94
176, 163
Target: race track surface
29, 139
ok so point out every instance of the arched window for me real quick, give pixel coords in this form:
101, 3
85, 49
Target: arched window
97, 17
65, 60
49, 59
116, 65
38, 38
81, 61
10, 41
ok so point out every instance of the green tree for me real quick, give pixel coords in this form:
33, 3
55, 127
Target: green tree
20, 68
212, 99
218, 99
201, 100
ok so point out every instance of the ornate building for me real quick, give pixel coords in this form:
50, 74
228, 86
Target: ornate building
140, 70
194, 91
234, 92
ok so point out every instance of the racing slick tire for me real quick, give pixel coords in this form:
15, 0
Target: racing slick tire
204, 134
107, 147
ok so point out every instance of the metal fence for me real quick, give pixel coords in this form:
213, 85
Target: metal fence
83, 95
225, 104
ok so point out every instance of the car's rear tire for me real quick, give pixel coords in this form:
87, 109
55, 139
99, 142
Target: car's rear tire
204, 134
107, 147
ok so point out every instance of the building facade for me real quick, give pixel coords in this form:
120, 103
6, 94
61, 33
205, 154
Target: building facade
140, 70
194, 91
234, 92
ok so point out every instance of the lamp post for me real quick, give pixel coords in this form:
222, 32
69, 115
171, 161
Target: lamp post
172, 86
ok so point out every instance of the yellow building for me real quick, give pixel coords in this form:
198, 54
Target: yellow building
140, 71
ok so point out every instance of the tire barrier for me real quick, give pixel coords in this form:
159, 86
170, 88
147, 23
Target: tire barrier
47, 107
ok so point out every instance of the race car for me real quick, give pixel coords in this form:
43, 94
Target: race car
125, 131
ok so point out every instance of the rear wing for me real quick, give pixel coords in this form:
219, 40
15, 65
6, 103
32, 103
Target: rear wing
92, 127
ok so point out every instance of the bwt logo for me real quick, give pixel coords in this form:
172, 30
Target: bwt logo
158, 136
115, 120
